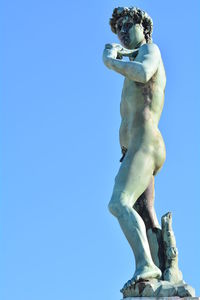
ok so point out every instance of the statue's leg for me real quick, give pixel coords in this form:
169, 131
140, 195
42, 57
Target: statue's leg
131, 181
145, 207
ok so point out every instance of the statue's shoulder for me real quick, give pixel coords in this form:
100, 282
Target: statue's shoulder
150, 48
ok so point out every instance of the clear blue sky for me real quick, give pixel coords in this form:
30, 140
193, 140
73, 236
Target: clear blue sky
60, 150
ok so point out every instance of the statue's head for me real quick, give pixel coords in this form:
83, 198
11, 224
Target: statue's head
132, 25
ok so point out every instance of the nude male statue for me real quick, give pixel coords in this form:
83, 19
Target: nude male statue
141, 142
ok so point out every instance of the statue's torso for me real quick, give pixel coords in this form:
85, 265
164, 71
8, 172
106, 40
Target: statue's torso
141, 107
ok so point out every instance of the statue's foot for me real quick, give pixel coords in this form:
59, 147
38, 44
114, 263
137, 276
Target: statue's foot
144, 273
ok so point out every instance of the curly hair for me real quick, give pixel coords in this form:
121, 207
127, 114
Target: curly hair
137, 15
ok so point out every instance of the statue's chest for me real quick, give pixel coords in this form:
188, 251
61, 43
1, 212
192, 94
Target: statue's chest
135, 93
131, 93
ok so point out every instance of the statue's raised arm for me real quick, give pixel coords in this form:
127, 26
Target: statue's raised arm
141, 69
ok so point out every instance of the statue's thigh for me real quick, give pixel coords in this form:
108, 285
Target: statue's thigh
135, 174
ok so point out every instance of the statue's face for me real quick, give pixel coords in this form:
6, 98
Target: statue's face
130, 35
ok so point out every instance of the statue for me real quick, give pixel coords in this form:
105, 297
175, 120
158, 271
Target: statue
143, 152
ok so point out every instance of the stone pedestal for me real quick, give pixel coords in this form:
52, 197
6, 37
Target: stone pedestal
162, 298
159, 289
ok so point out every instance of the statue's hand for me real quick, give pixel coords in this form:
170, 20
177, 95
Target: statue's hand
118, 47
121, 51
111, 51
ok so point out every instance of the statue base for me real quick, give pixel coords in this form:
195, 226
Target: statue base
157, 288
162, 298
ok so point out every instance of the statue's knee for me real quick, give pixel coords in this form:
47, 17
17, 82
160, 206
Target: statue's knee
118, 204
